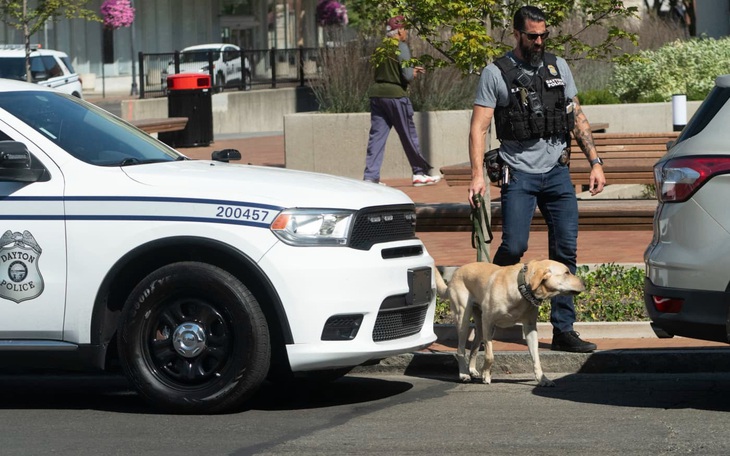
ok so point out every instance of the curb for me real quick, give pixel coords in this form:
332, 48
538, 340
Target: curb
638, 361
621, 361
593, 330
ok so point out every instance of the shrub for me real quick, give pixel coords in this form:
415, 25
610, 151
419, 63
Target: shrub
346, 75
597, 97
688, 67
613, 293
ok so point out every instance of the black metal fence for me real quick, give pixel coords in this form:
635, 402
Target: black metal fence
240, 70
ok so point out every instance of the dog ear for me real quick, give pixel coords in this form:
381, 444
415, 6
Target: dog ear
538, 279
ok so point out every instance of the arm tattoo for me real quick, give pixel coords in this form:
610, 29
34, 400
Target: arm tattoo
582, 131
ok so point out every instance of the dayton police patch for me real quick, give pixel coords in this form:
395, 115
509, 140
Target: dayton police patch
20, 278
552, 70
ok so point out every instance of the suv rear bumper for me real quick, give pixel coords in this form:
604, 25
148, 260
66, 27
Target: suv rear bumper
704, 314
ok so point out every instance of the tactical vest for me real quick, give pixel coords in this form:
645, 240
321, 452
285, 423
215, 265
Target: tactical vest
537, 105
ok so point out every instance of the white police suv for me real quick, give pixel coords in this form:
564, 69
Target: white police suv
199, 277
47, 67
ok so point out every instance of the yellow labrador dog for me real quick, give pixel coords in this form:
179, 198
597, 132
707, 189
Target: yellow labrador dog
501, 296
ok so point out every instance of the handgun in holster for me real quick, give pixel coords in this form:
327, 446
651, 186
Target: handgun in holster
493, 163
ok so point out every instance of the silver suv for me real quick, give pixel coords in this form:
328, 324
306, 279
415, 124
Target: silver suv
47, 67
687, 287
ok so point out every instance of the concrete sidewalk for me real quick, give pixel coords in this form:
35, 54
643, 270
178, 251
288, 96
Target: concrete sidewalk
622, 347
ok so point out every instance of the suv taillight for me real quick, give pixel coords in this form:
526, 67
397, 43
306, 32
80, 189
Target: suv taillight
678, 179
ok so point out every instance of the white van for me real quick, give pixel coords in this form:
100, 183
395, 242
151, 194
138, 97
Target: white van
47, 67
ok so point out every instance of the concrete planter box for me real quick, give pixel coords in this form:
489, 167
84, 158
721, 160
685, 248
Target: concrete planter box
236, 112
337, 143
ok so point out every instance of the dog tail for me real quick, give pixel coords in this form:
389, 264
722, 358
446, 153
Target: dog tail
440, 284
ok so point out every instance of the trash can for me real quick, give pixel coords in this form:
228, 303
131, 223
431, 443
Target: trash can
189, 95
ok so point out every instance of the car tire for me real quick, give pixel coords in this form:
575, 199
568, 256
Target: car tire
220, 83
193, 339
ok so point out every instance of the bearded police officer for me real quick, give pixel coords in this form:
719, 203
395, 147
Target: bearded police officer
532, 97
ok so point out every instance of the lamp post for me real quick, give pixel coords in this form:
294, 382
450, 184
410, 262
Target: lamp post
133, 91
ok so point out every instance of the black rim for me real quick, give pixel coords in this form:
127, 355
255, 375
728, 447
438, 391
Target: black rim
189, 342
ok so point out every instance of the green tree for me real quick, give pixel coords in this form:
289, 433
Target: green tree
31, 18
468, 33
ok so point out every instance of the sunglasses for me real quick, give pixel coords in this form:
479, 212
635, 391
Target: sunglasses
534, 36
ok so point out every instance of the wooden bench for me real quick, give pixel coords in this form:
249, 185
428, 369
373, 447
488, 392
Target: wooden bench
594, 215
628, 159
160, 125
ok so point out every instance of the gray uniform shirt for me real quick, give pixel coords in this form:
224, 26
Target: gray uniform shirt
534, 156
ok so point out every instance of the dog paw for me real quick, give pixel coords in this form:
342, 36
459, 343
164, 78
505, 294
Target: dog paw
485, 378
474, 373
464, 378
546, 382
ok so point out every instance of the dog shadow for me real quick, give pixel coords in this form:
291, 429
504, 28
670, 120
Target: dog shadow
700, 391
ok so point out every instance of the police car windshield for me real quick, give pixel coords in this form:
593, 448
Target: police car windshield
88, 133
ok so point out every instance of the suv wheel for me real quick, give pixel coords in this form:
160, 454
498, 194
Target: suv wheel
193, 339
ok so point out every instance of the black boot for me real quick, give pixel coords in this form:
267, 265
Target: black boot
570, 341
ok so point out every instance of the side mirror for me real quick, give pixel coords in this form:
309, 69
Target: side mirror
670, 144
226, 155
15, 163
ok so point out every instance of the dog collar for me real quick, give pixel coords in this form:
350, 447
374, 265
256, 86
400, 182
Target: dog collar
525, 290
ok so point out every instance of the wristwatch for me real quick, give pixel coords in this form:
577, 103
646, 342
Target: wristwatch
595, 161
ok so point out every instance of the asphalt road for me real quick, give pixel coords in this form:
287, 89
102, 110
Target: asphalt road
622, 414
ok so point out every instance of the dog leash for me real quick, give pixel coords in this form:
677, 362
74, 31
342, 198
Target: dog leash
480, 221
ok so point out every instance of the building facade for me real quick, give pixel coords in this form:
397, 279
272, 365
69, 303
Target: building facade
163, 26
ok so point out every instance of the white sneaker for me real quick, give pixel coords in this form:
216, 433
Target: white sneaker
419, 180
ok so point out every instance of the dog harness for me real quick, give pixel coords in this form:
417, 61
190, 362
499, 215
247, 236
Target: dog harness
525, 290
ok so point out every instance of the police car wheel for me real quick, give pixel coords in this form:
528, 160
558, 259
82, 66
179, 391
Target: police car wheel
193, 339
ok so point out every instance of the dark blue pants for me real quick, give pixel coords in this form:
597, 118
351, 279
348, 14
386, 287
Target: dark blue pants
387, 113
554, 194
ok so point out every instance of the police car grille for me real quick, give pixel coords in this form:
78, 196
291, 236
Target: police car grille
377, 225
396, 323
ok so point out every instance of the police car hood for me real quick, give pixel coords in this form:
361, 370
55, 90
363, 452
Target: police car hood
265, 185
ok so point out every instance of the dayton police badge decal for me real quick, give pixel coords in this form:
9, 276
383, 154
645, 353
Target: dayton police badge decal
20, 278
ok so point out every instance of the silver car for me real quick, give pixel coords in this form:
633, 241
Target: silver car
687, 287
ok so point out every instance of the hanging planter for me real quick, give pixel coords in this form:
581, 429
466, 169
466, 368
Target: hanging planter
331, 12
117, 13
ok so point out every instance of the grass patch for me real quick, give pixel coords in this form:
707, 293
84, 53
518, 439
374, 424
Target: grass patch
614, 293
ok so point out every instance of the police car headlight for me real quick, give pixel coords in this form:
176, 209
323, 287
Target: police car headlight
313, 227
